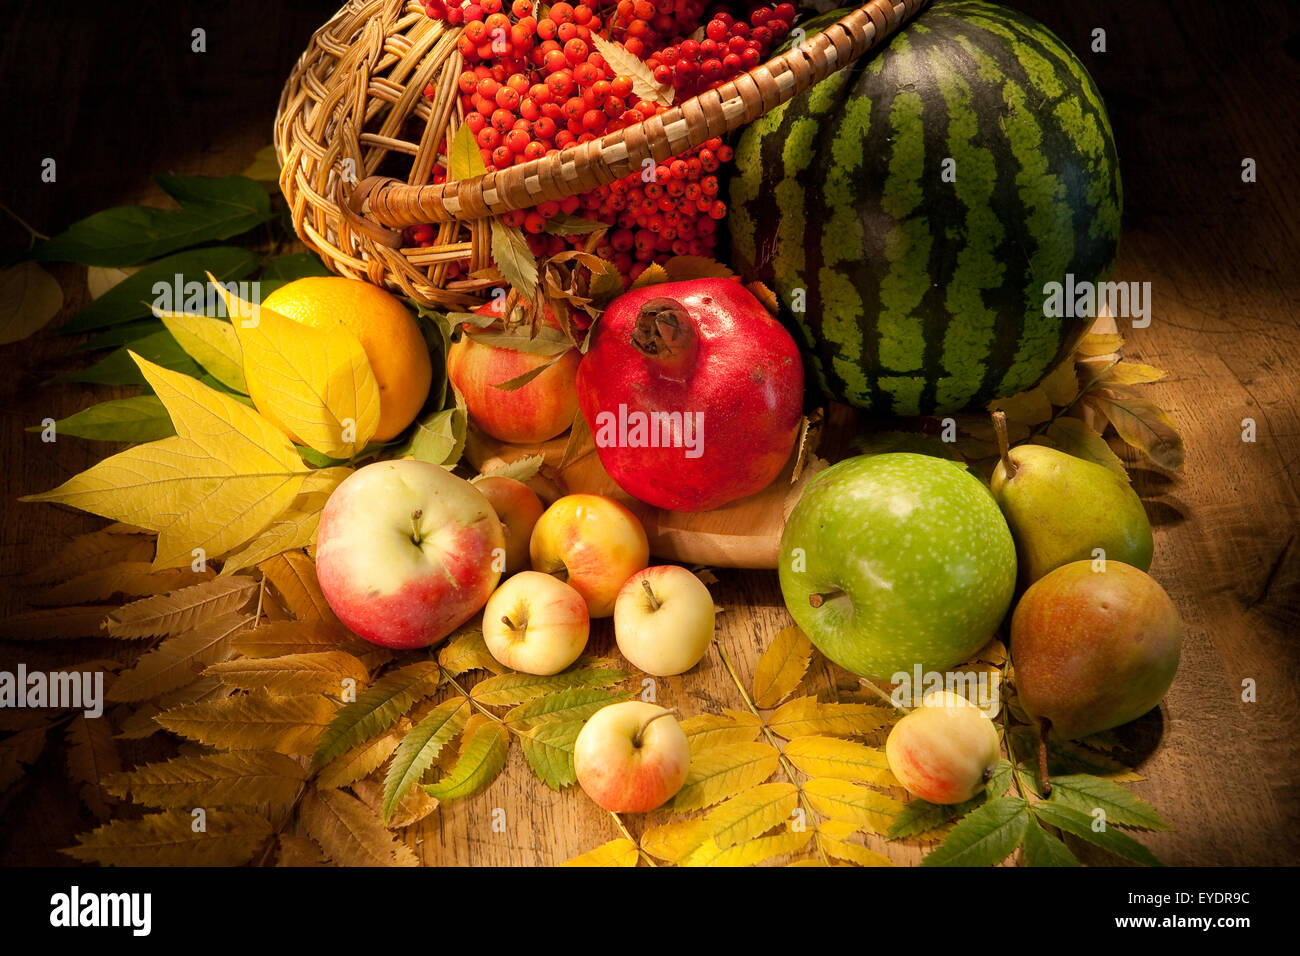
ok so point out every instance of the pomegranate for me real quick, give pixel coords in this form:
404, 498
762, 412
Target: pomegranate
693, 393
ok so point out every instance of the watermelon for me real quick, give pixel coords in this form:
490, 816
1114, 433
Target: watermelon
909, 210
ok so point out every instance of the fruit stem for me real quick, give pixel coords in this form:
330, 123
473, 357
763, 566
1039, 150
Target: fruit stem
1004, 446
636, 741
655, 603
416, 515
1044, 726
817, 600
512, 625
664, 332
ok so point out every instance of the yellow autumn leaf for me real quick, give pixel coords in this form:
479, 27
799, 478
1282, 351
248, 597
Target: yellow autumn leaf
295, 528
674, 842
295, 851
781, 667
350, 833
221, 479
713, 730
361, 760
1061, 385
128, 578
751, 853
413, 807
291, 725
316, 383
751, 813
721, 772
91, 552
298, 637
182, 609
866, 809
804, 716
245, 778
835, 841
211, 342
1098, 343
620, 852
323, 672
841, 759
293, 576
1130, 373
1027, 408
230, 837
178, 660
467, 651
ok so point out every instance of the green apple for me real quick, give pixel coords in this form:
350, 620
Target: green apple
890, 561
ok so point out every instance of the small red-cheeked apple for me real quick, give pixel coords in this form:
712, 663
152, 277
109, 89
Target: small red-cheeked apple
407, 552
518, 507
594, 543
945, 751
663, 620
631, 757
535, 623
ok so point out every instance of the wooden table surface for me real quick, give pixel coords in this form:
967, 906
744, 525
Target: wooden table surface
1192, 88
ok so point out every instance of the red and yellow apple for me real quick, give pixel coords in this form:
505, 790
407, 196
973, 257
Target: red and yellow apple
534, 412
631, 757
594, 543
407, 552
535, 623
663, 620
518, 507
944, 751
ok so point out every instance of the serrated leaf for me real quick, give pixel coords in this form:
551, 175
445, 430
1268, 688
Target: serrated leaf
92, 757
919, 818
721, 772
1143, 425
141, 418
481, 758
1074, 437
129, 578
806, 716
181, 610
438, 438
623, 63
419, 748
706, 731
866, 809
751, 853
781, 667
178, 660
835, 841
1000, 782
840, 759
290, 725
674, 842
90, 552
221, 479
517, 687
653, 274
294, 528
376, 709
29, 298
127, 235
1125, 372
464, 159
512, 256
1080, 824
315, 382
751, 813
230, 838
295, 851
577, 703
19, 752
1061, 385
1069, 757
349, 833
212, 343
620, 852
548, 748
1124, 808
297, 637
1042, 849
321, 672
563, 224
244, 778
362, 760
684, 268
411, 809
466, 651
521, 469
984, 837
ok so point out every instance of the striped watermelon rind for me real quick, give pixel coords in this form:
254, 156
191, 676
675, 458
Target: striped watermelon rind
920, 295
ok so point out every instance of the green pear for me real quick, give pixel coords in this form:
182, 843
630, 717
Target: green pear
1062, 509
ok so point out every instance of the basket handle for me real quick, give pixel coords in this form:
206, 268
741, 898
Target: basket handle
585, 166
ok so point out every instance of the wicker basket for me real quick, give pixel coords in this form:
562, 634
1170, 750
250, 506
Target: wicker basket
353, 117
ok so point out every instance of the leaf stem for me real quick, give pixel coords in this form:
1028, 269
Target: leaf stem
33, 234
618, 822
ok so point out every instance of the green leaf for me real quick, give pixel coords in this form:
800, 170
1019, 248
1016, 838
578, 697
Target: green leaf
578, 703
282, 270
1080, 824
211, 209
984, 837
512, 256
122, 334
519, 381
419, 748
1043, 849
1124, 808
565, 225
547, 341
213, 344
1142, 424
548, 748
377, 708
999, 782
132, 297
29, 297
521, 469
139, 419
515, 687
437, 438
920, 816
464, 159
481, 759
118, 368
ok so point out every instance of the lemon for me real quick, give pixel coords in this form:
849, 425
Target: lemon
386, 330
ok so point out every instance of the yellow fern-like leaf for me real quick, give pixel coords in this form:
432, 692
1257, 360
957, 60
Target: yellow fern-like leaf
751, 853
92, 756
91, 552
835, 841
295, 528
293, 850
842, 759
178, 660
291, 725
363, 759
674, 842
244, 778
413, 806
620, 852
781, 667
350, 833
322, 672
868, 810
131, 578
280, 638
293, 576
170, 838
706, 731
466, 651
721, 772
182, 609
805, 716
750, 813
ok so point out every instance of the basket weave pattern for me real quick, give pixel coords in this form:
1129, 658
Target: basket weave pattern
353, 118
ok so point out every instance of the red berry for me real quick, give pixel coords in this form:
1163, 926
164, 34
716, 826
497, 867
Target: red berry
488, 137
716, 30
